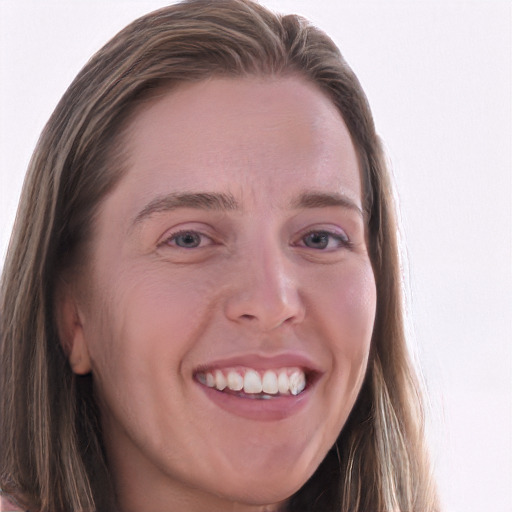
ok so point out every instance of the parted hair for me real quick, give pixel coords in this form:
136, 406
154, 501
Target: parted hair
51, 450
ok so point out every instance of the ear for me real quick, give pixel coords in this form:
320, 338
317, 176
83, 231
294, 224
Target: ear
70, 328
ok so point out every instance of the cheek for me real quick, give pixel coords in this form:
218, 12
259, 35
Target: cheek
357, 300
343, 307
346, 301
168, 312
142, 330
345, 315
145, 319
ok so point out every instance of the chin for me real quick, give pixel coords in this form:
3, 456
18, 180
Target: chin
266, 487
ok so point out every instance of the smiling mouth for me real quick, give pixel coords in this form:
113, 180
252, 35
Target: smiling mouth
249, 383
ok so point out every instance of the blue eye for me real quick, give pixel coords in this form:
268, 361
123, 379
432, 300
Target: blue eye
186, 239
323, 240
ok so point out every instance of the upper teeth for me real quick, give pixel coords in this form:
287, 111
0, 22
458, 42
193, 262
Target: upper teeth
284, 381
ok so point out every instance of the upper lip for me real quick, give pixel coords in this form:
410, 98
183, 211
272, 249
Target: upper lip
263, 362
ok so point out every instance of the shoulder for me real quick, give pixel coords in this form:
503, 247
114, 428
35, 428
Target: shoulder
8, 506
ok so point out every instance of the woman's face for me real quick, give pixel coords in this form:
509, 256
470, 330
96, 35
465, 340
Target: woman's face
230, 299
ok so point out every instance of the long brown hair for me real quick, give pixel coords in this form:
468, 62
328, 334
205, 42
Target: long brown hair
51, 453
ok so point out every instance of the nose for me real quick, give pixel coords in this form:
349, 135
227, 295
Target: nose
265, 292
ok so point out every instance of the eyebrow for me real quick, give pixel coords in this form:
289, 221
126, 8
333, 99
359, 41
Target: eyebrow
226, 202
324, 200
196, 200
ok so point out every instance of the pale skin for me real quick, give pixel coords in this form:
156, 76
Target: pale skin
269, 268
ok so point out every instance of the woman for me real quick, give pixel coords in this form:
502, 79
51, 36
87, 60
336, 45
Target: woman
201, 307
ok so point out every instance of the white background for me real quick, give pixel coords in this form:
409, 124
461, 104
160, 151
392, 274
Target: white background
438, 77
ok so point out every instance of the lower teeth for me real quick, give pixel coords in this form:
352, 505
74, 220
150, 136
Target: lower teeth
252, 396
255, 396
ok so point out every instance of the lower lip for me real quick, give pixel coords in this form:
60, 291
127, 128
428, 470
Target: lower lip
271, 409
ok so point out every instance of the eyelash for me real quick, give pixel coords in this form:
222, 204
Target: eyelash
341, 240
182, 232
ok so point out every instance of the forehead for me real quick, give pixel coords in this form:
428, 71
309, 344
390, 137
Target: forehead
276, 136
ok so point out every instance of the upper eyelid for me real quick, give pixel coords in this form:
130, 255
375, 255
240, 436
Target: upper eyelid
336, 232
